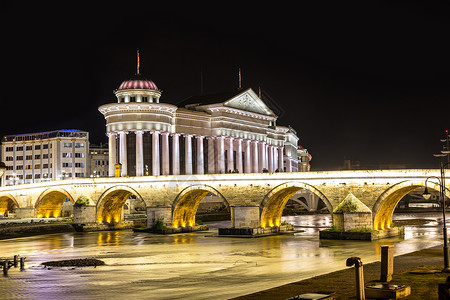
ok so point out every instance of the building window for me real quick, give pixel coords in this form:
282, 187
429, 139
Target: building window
37, 156
79, 165
79, 174
19, 148
67, 165
9, 149
29, 167
9, 158
20, 157
29, 176
29, 157
132, 99
37, 166
67, 145
79, 155
66, 155
45, 156
45, 146
144, 99
79, 145
29, 148
19, 167
37, 147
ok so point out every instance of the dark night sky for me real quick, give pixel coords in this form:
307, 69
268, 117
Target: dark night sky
367, 81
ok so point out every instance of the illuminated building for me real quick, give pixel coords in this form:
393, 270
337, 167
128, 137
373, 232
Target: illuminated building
208, 134
45, 156
98, 160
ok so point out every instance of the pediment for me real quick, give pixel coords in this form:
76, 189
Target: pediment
249, 101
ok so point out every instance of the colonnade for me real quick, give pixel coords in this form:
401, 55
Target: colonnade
164, 153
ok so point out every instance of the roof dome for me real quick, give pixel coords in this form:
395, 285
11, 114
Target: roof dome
138, 82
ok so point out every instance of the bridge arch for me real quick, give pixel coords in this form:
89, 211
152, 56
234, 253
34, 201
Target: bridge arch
272, 206
385, 205
7, 203
187, 201
49, 202
110, 203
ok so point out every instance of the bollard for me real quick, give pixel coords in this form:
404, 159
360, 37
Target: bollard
387, 263
5, 267
22, 263
359, 276
16, 260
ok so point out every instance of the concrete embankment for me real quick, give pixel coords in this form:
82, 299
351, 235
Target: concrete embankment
15, 230
342, 283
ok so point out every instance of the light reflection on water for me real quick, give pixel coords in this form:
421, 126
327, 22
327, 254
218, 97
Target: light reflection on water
191, 266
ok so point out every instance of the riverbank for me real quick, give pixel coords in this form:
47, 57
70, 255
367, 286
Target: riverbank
416, 269
31, 227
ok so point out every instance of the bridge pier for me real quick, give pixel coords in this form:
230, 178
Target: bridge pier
85, 214
25, 212
245, 216
163, 213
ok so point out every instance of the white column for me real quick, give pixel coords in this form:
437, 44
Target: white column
239, 166
155, 154
266, 156
230, 158
123, 152
200, 162
255, 156
176, 154
139, 153
270, 163
112, 153
248, 157
280, 159
188, 153
220, 155
261, 147
165, 154
211, 156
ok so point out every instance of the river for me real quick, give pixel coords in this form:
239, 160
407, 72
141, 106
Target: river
191, 266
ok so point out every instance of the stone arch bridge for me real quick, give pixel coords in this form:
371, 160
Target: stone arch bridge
256, 200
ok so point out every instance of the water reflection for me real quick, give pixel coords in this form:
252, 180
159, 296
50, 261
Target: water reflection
194, 265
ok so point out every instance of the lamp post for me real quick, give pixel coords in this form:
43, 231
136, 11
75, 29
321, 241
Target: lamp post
426, 195
2, 170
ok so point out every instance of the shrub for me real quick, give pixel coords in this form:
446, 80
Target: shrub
81, 201
347, 206
159, 225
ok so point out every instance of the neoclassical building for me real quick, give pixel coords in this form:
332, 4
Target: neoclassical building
208, 134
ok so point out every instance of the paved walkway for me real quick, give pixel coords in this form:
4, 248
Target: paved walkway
343, 282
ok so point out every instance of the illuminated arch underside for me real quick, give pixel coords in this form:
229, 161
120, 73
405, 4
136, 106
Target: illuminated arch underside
110, 209
385, 206
275, 201
50, 203
186, 205
7, 204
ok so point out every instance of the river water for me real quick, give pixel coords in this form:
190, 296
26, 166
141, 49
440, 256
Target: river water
191, 266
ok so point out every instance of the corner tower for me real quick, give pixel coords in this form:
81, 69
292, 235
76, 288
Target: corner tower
138, 126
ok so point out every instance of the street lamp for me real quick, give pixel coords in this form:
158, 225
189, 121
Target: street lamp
2, 170
426, 195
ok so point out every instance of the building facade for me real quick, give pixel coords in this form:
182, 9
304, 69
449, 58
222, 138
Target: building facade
208, 134
45, 156
98, 161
